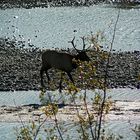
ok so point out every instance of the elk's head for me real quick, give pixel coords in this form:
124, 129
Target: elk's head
81, 54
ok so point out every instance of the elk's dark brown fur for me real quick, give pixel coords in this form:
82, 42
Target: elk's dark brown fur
62, 61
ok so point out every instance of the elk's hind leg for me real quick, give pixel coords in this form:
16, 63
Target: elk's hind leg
60, 83
41, 76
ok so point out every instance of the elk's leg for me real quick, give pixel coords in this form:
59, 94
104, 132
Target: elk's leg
70, 77
41, 75
60, 84
46, 71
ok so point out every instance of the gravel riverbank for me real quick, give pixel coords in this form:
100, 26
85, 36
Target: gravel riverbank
28, 4
20, 68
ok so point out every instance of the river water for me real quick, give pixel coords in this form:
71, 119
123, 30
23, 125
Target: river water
54, 27
32, 97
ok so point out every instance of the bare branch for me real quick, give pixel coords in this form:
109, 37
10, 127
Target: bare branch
105, 78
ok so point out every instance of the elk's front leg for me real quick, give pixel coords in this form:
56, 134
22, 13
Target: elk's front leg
41, 76
70, 76
46, 71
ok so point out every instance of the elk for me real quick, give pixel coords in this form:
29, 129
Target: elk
62, 61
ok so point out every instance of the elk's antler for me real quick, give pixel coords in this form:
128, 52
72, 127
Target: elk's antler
72, 42
84, 45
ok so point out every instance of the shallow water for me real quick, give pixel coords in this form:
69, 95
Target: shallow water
32, 97
53, 27
19, 98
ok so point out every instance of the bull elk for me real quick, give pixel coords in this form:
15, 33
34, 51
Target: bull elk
62, 61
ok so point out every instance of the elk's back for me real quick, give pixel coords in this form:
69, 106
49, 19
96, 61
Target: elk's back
62, 61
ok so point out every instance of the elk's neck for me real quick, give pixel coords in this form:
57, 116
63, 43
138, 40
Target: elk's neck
74, 63
76, 57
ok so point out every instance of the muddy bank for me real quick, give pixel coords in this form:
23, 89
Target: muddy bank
20, 68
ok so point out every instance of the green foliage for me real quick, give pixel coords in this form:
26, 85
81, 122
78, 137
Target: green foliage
26, 132
50, 109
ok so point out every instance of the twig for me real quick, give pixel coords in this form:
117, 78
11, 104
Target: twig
78, 114
39, 127
89, 121
56, 121
21, 121
105, 78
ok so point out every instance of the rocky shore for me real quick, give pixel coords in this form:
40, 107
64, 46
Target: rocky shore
20, 68
120, 111
27, 4
45, 3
